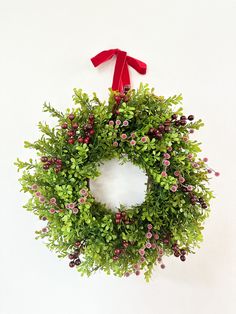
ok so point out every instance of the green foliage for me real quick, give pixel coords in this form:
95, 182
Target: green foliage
174, 218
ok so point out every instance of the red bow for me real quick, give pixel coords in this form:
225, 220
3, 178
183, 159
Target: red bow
121, 76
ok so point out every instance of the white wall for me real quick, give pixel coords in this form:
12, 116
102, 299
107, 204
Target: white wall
45, 50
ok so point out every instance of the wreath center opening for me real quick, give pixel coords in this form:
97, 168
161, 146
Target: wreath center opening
119, 184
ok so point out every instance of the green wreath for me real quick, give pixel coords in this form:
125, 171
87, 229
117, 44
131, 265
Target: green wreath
137, 126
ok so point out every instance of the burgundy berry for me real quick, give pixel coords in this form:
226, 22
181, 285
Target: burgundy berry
167, 122
117, 112
71, 116
174, 116
54, 159
71, 140
204, 205
183, 252
118, 221
176, 253
166, 241
177, 123
58, 166
191, 117
183, 118
64, 125
75, 126
77, 262
151, 130
46, 166
161, 128
183, 122
115, 258
70, 133
91, 117
167, 129
126, 88
77, 244
72, 264
44, 159
80, 139
183, 258
59, 162
71, 256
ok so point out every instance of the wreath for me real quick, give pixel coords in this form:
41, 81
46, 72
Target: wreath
138, 126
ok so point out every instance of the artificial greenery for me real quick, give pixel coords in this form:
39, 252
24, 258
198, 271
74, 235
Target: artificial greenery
137, 126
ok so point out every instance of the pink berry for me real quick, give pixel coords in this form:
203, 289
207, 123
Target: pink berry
205, 159
137, 273
148, 245
164, 174
148, 235
132, 142
173, 188
181, 179
141, 252
166, 156
149, 226
217, 174
176, 173
115, 144
166, 162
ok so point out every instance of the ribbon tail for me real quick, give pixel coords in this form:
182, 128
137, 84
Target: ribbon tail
103, 56
138, 65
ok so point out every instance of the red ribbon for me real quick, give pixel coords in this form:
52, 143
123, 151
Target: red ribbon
121, 76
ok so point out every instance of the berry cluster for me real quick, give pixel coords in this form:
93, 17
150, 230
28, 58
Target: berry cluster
122, 217
74, 257
86, 132
181, 253
54, 162
119, 98
182, 120
160, 130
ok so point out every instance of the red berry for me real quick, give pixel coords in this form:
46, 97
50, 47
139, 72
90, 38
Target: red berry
118, 215
122, 95
117, 112
86, 140
117, 251
72, 264
118, 221
78, 243
80, 139
44, 159
115, 258
91, 117
166, 241
71, 116
75, 126
46, 167
70, 133
58, 161
64, 125
117, 99
71, 140
91, 132
58, 166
